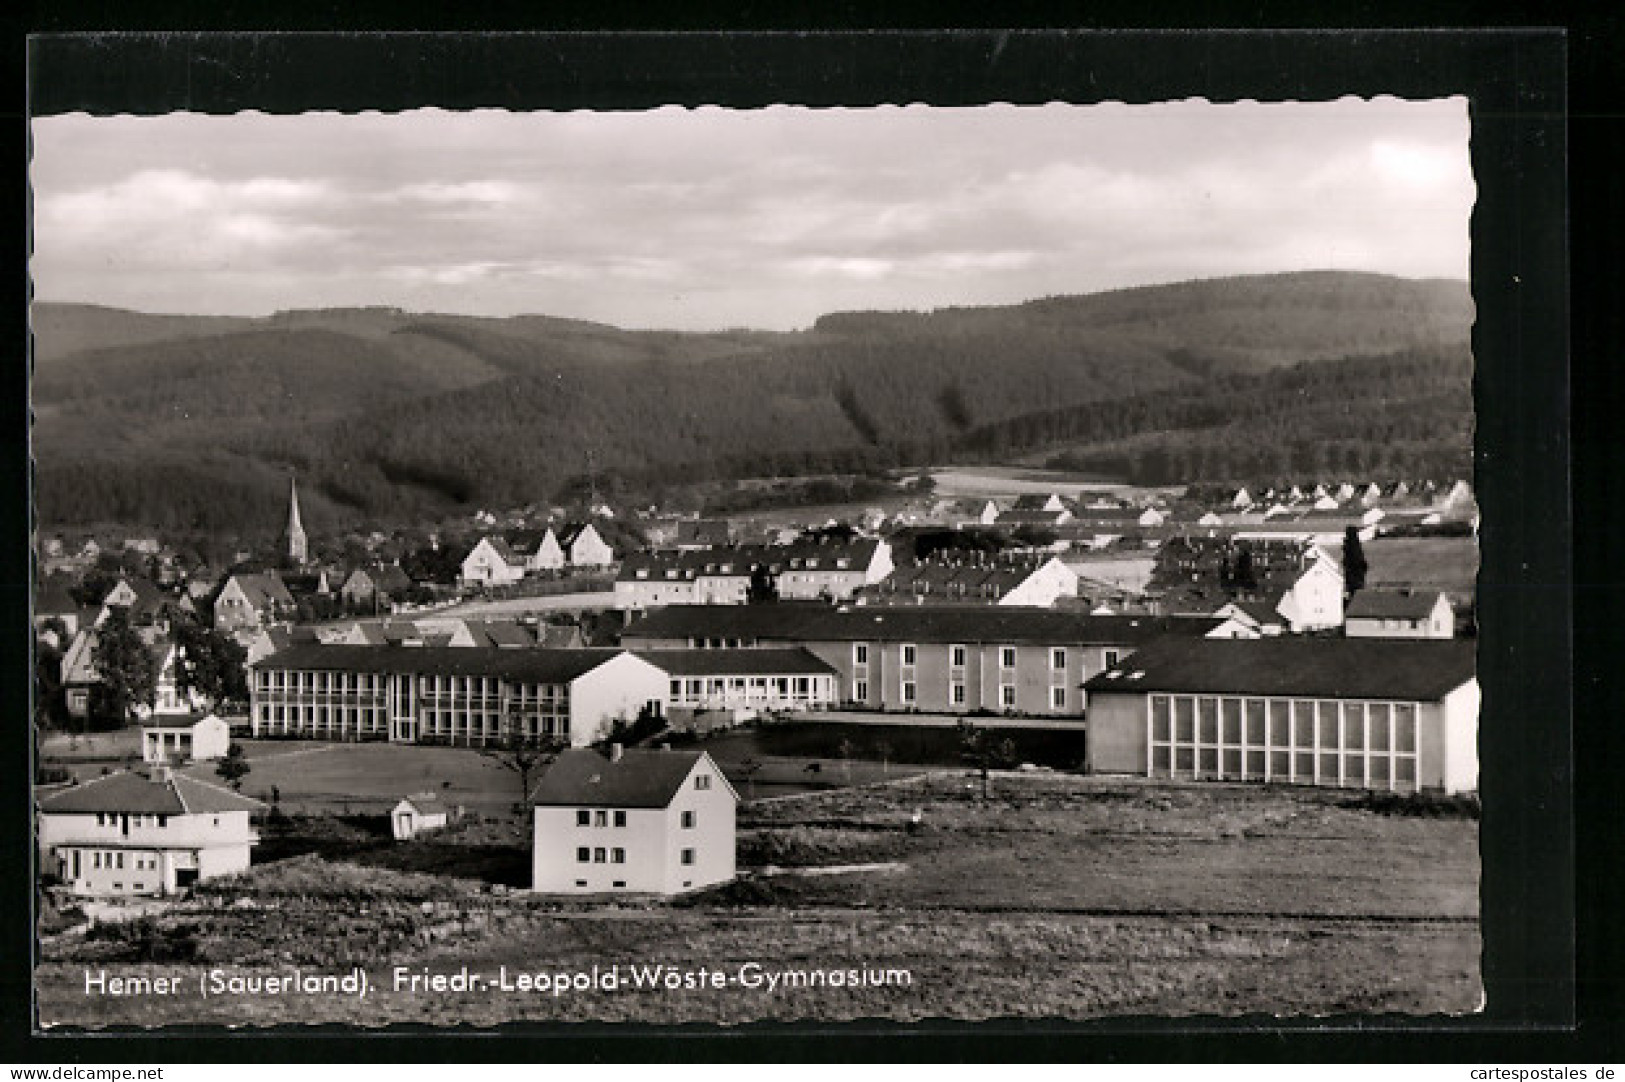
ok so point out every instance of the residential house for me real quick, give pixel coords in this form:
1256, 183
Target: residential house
1298, 579
808, 568
449, 694
54, 602
1036, 502
1358, 713
184, 740
417, 814
148, 833
1446, 564
1028, 583
634, 821
1016, 518
584, 546
548, 555
80, 677
492, 562
143, 603
1399, 614
952, 659
381, 586
247, 600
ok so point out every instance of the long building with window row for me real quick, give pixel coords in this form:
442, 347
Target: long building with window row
1355, 713
930, 659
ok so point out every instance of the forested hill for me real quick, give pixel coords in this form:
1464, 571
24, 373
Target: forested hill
177, 421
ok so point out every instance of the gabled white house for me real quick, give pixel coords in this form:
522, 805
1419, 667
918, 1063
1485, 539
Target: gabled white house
549, 555
634, 821
491, 563
145, 833
416, 814
1314, 601
246, 600
1399, 614
585, 547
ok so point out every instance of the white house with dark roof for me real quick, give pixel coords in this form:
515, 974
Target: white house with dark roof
585, 547
491, 562
416, 814
1399, 614
634, 821
152, 832
1355, 713
549, 554
804, 569
247, 600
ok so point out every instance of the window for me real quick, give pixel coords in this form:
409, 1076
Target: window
908, 653
1057, 659
600, 855
1007, 657
618, 882
956, 656
620, 818
1007, 695
581, 882
860, 653
583, 818
688, 856
1111, 658
600, 818
617, 856
956, 692
687, 820
1057, 698
583, 854
908, 691
702, 781
860, 690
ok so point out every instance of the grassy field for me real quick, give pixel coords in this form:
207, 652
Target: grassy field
1061, 897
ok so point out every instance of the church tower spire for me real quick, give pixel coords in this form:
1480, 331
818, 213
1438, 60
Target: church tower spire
295, 536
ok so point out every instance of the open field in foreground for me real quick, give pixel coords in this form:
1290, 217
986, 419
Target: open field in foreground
1060, 897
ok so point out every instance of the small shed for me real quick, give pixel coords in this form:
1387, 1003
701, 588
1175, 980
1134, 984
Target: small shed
416, 814
185, 739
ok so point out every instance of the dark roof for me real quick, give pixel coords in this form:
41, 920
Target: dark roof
135, 794
642, 778
426, 802
53, 599
803, 555
945, 624
263, 589
1424, 671
764, 662
1392, 604
543, 666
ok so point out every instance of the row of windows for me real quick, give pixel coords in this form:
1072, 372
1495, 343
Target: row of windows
352, 683
101, 860
956, 693
717, 685
602, 855
435, 722
1008, 656
138, 821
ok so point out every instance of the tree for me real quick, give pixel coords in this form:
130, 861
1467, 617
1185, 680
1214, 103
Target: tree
979, 748
764, 585
884, 749
126, 669
1245, 577
522, 751
234, 767
211, 663
748, 767
1354, 563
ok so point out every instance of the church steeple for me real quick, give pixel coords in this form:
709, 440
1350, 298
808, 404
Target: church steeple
295, 535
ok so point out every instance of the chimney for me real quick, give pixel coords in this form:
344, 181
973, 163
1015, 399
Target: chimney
615, 753
160, 771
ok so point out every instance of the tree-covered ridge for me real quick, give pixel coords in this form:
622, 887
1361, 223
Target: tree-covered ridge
390, 415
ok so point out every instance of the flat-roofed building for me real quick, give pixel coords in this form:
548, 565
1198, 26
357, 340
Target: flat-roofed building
1359, 713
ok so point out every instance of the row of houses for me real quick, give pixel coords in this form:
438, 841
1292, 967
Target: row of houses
496, 560
823, 567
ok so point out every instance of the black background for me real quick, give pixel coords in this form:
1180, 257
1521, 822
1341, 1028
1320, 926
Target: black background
1551, 839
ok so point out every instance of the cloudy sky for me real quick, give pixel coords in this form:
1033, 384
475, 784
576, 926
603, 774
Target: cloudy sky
712, 218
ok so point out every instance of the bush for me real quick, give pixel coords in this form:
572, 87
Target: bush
740, 892
1418, 805
145, 939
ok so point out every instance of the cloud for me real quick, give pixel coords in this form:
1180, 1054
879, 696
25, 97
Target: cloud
713, 217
